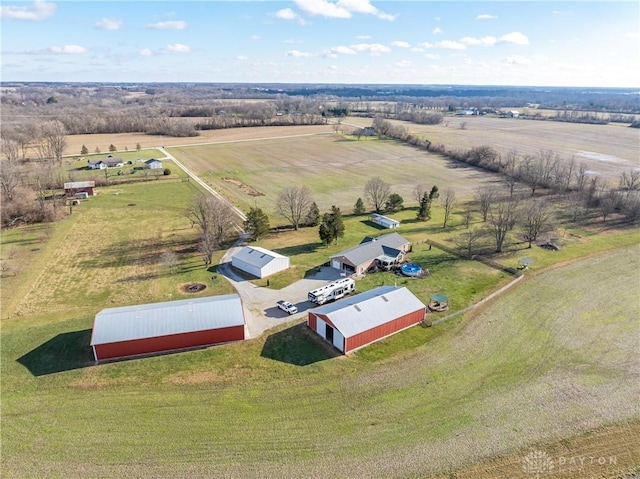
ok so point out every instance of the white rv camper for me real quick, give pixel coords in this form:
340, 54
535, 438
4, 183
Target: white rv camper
332, 291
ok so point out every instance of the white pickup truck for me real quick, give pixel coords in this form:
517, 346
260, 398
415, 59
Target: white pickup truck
287, 307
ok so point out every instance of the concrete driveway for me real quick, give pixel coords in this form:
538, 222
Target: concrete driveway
261, 311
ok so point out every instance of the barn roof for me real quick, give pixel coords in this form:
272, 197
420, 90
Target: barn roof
79, 184
364, 311
372, 248
162, 319
256, 256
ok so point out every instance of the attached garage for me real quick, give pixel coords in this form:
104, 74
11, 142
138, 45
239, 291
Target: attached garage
259, 262
360, 320
161, 327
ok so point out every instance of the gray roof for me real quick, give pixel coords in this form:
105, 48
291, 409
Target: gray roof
161, 319
256, 256
372, 248
110, 160
79, 184
153, 160
365, 311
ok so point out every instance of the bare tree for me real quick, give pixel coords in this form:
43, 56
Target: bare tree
468, 239
377, 192
531, 172
536, 218
169, 260
510, 170
214, 217
448, 202
10, 149
10, 178
502, 218
485, 197
630, 181
467, 215
382, 126
54, 140
418, 192
293, 203
581, 176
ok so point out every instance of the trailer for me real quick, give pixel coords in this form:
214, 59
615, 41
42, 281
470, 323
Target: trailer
332, 291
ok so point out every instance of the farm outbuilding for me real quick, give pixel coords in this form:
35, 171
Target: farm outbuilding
160, 327
73, 188
153, 164
384, 221
259, 262
359, 320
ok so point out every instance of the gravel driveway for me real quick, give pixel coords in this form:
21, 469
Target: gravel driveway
261, 312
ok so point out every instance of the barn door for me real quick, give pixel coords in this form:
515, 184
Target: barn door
329, 334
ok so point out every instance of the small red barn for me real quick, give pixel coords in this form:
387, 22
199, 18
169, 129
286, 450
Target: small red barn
153, 328
74, 187
359, 320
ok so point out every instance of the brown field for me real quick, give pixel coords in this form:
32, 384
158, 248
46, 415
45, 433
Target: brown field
334, 168
606, 149
129, 140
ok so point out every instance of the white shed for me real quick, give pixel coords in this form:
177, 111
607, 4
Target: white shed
384, 221
259, 262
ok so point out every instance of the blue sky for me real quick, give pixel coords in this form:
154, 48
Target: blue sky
542, 43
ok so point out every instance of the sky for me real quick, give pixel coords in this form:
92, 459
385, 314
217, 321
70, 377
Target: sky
536, 43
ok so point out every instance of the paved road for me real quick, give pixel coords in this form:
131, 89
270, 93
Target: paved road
261, 312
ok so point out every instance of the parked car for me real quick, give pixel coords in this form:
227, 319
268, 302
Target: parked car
287, 307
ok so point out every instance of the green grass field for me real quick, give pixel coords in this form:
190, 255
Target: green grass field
553, 358
516, 373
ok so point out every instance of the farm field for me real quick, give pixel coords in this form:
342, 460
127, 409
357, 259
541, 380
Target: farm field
333, 167
494, 383
608, 150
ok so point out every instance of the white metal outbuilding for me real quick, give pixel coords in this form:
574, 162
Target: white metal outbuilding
259, 262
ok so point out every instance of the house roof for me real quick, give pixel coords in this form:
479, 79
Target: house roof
376, 216
162, 319
152, 160
79, 184
371, 248
256, 256
109, 160
364, 311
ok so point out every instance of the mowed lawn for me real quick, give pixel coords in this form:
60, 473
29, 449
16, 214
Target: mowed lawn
554, 357
335, 168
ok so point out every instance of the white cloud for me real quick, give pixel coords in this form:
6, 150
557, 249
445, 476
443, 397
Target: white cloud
404, 63
64, 50
323, 8
540, 58
515, 37
451, 45
242, 58
109, 24
400, 44
298, 54
632, 35
486, 16
437, 31
426, 45
40, 10
373, 48
363, 37
178, 48
341, 50
170, 25
145, 52
287, 14
341, 9
292, 41
432, 56
517, 60
484, 41
255, 37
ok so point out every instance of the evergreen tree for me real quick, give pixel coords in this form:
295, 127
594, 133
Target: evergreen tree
424, 213
358, 209
394, 203
85, 150
257, 223
332, 226
138, 147
112, 147
313, 216
434, 194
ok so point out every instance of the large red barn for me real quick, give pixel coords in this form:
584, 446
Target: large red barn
160, 327
359, 320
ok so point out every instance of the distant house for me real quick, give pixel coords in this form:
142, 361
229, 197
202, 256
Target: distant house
359, 320
103, 163
383, 251
514, 114
368, 131
384, 221
160, 327
153, 164
74, 188
259, 262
